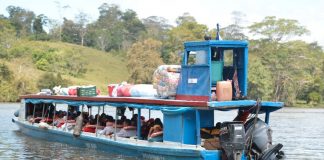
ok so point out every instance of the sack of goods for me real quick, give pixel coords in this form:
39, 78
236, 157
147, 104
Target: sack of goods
143, 90
165, 80
130, 90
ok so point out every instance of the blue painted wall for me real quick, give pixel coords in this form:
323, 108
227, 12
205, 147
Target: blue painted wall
180, 127
200, 87
206, 118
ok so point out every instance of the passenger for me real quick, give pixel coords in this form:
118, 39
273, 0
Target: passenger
123, 118
156, 132
109, 129
128, 130
134, 119
85, 118
91, 126
59, 121
37, 118
103, 119
145, 128
70, 122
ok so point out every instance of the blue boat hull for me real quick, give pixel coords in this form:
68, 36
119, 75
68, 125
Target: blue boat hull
115, 147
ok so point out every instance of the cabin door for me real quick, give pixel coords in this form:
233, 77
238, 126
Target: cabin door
194, 83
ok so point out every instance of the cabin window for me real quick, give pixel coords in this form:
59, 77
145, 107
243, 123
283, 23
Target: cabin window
228, 57
216, 54
197, 57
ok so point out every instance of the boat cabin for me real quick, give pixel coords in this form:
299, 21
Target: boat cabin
207, 62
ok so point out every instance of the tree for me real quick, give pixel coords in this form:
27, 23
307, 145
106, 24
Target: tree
143, 58
22, 20
187, 30
38, 24
82, 19
7, 34
260, 84
156, 27
70, 32
185, 18
134, 28
235, 30
60, 9
274, 29
284, 59
109, 27
54, 29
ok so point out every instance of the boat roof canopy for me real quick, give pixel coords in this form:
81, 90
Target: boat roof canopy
217, 43
153, 104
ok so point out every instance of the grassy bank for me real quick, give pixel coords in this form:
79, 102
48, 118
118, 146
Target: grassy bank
101, 68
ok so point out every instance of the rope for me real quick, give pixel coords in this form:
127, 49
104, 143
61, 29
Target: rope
258, 106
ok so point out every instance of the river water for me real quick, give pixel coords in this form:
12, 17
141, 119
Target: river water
301, 131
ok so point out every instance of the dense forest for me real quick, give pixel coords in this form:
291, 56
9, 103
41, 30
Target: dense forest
281, 68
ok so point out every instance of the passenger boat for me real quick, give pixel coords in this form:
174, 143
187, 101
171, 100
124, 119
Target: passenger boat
186, 119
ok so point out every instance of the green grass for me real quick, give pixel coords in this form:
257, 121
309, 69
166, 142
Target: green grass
102, 68
304, 104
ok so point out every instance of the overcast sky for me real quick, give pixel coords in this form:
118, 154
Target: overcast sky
309, 13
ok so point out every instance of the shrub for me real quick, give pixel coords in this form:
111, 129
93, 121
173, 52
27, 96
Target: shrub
50, 80
314, 97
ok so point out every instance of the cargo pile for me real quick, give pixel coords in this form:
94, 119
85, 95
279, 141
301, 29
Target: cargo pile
90, 90
129, 90
165, 80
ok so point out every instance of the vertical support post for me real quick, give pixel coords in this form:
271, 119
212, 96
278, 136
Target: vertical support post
82, 113
267, 117
34, 113
43, 110
182, 127
48, 112
54, 115
66, 120
115, 128
210, 73
198, 128
149, 114
245, 70
97, 122
139, 123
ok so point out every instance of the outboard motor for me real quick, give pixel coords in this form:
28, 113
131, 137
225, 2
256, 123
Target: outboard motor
232, 139
261, 134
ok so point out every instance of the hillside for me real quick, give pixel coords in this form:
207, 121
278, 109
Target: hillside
102, 68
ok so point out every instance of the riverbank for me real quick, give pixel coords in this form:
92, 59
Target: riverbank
304, 104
